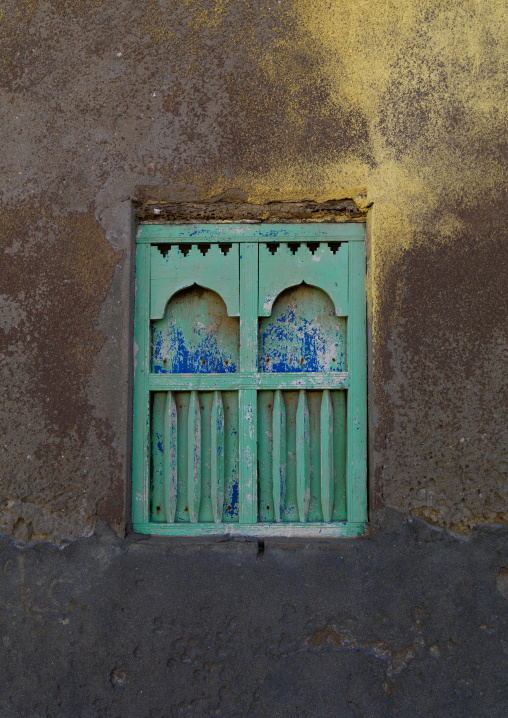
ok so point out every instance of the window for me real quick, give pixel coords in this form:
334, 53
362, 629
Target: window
250, 380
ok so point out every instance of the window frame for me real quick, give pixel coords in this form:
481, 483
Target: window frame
249, 236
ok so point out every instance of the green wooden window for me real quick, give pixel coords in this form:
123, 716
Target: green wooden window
250, 380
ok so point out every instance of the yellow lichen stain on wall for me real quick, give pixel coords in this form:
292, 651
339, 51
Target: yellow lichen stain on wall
153, 24
418, 92
429, 80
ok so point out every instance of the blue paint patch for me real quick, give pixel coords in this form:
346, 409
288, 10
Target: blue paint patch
196, 336
201, 355
291, 343
233, 512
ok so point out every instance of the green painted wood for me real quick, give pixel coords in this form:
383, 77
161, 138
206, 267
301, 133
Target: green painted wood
315, 513
265, 437
248, 456
289, 530
182, 401
302, 457
242, 232
248, 380
302, 334
279, 454
205, 400
141, 399
290, 513
175, 271
194, 457
325, 479
247, 397
170, 454
327, 470
339, 402
248, 303
157, 484
322, 268
231, 457
217, 457
195, 335
357, 394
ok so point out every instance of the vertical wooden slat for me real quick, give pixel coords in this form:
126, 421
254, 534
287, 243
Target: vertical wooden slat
158, 511
302, 457
182, 400
279, 454
205, 513
247, 397
248, 456
141, 425
194, 458
231, 457
265, 462
339, 400
217, 457
327, 472
290, 512
357, 393
170, 448
314, 406
248, 307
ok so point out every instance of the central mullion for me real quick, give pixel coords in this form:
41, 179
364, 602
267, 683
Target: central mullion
248, 397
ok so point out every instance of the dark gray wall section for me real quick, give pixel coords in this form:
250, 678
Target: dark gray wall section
410, 624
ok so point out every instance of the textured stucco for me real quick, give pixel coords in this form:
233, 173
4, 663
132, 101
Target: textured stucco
397, 106
411, 624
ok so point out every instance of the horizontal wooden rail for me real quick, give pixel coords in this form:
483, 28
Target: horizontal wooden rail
234, 381
223, 232
337, 529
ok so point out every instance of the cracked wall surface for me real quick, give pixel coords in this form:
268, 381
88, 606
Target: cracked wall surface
319, 110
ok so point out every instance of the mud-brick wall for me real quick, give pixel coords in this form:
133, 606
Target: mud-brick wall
400, 108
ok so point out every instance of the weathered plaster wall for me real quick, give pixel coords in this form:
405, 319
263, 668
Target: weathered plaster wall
401, 106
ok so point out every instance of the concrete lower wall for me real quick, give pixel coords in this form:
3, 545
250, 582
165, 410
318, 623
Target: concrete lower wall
411, 624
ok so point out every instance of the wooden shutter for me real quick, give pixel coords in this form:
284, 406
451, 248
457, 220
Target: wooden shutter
250, 380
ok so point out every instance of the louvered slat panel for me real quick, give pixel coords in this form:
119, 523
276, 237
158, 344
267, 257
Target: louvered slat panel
327, 471
170, 448
217, 457
302, 457
279, 454
194, 458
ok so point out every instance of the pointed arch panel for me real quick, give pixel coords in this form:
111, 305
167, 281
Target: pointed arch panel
211, 266
195, 335
284, 265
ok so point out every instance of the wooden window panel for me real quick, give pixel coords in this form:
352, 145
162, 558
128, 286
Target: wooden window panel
250, 380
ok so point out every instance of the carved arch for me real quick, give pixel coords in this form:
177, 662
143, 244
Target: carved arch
303, 333
283, 269
174, 271
195, 335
